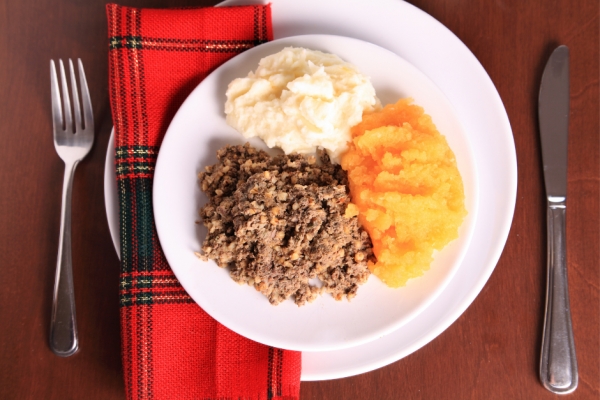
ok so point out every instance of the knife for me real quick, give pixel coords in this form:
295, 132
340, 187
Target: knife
558, 363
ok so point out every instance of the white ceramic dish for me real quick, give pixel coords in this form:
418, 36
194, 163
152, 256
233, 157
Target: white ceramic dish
199, 129
434, 50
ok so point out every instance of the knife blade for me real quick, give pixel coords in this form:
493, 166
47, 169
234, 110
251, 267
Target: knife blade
558, 362
554, 122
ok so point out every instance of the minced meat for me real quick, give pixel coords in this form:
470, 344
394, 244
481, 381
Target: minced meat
277, 222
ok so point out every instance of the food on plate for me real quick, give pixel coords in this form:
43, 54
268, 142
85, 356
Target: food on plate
407, 188
299, 100
277, 222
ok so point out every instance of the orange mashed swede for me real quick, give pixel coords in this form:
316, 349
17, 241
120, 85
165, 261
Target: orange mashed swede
406, 189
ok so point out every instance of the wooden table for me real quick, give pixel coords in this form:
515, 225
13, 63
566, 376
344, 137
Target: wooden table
491, 351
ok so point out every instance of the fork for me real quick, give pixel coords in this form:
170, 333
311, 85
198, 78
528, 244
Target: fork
73, 141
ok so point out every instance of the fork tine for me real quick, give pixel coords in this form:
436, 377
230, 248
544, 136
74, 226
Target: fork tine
76, 106
66, 101
57, 118
88, 113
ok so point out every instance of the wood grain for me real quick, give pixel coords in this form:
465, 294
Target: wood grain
490, 352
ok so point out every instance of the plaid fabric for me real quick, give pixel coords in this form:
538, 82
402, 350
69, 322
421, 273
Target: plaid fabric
171, 348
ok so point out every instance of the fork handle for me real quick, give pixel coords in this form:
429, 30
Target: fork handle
558, 364
64, 340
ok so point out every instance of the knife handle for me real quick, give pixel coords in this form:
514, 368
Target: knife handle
558, 364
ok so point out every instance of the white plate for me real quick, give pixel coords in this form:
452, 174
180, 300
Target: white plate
199, 129
434, 50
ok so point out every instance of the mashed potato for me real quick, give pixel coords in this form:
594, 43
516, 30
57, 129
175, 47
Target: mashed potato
300, 99
407, 189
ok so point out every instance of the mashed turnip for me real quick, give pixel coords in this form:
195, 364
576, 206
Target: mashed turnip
407, 189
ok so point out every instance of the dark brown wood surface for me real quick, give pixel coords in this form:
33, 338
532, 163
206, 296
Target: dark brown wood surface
491, 351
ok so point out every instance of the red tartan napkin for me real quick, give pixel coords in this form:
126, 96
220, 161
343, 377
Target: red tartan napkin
171, 348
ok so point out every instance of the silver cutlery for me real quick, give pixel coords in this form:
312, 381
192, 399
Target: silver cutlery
558, 363
73, 140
